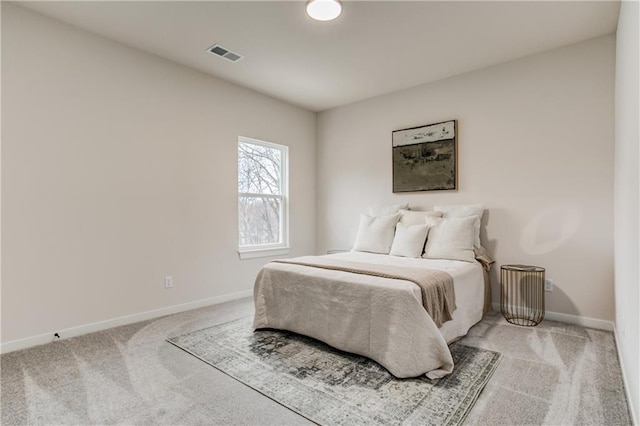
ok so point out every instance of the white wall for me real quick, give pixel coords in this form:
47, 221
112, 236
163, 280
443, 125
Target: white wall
535, 146
627, 195
119, 168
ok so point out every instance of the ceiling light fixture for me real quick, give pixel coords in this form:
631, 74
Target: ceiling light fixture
324, 10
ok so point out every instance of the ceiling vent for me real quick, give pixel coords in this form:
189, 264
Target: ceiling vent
218, 50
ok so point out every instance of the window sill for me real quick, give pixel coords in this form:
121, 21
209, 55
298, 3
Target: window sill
252, 254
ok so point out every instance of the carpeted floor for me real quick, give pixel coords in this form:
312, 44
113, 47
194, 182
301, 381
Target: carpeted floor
551, 374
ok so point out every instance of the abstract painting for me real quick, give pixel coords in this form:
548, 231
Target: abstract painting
425, 158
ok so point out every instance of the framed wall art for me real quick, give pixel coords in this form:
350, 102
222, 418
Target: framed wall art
425, 158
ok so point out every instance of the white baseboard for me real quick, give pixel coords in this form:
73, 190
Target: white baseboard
572, 319
67, 333
634, 419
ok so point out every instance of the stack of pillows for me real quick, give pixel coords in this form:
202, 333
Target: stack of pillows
447, 232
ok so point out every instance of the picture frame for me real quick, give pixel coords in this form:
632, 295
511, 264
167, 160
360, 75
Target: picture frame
425, 158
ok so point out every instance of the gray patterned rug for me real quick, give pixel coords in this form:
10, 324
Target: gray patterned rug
331, 387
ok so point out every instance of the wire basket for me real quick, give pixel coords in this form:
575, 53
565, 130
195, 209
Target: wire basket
522, 294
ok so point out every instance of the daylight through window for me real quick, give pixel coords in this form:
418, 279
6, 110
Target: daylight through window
262, 195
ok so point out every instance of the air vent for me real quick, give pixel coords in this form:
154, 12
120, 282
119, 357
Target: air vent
218, 50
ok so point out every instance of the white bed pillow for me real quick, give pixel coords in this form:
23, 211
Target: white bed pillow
387, 210
416, 217
375, 233
450, 238
409, 240
464, 210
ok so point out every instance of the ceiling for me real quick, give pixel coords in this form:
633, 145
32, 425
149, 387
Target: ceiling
375, 47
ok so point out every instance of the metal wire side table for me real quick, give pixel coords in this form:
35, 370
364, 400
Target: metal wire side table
522, 294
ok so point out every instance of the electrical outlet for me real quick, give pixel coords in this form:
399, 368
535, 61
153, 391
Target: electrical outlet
168, 281
548, 285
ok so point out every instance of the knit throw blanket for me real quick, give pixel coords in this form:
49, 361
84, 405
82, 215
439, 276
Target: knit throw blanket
438, 297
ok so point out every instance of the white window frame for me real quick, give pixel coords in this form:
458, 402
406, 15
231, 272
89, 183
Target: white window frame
281, 248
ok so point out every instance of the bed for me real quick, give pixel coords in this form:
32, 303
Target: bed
381, 318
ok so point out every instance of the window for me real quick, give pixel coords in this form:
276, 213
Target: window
262, 198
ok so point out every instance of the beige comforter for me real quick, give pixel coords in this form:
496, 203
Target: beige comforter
380, 318
438, 297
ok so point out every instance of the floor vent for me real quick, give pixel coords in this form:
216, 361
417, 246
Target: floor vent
218, 50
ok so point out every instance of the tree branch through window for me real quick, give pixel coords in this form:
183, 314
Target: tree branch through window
261, 193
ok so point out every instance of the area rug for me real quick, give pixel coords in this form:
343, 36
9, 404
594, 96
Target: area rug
331, 387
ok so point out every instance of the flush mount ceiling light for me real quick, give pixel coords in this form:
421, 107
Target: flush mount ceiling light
324, 10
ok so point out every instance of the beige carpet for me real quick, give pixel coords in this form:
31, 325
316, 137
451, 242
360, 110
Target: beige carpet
553, 374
